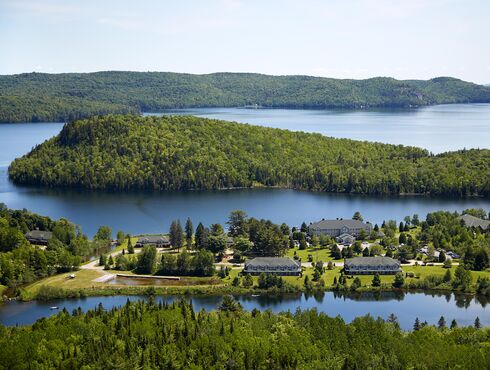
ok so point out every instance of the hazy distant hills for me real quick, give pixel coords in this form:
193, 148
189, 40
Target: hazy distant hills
56, 97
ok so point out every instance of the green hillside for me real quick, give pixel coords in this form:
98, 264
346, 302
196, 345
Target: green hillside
122, 152
54, 97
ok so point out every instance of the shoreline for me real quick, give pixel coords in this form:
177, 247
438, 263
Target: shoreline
214, 290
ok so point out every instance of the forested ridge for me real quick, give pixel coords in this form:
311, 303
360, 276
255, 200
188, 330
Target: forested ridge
57, 97
156, 336
122, 152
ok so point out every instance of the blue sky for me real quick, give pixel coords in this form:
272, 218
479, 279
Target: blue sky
342, 39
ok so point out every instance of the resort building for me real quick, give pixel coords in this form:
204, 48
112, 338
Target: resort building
371, 266
335, 228
272, 265
159, 241
346, 239
472, 221
38, 237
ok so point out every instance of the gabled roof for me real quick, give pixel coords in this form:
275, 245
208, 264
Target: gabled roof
345, 235
472, 221
149, 239
272, 262
39, 234
372, 261
338, 224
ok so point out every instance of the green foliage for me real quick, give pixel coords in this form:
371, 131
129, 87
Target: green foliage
399, 280
156, 335
445, 230
176, 234
229, 304
247, 281
376, 280
176, 153
147, 260
21, 263
237, 223
103, 233
58, 97
267, 281
462, 278
199, 264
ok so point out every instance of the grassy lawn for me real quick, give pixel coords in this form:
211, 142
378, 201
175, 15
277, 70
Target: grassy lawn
83, 279
318, 253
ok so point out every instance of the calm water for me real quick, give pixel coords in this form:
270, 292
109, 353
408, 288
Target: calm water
438, 128
406, 306
455, 126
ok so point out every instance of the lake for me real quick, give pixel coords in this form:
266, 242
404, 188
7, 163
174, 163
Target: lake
437, 128
406, 306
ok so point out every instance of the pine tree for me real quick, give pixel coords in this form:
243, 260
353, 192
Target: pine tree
399, 280
416, 325
176, 234
376, 280
477, 323
454, 324
188, 232
200, 237
130, 246
447, 276
441, 324
102, 260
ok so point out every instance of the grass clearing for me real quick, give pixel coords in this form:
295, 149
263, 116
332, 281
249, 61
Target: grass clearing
83, 279
318, 253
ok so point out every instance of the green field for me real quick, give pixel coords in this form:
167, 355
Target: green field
318, 253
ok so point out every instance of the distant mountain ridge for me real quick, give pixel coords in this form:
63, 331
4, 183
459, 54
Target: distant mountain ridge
55, 97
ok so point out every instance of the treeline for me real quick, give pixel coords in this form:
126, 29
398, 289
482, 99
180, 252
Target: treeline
441, 232
176, 153
54, 97
156, 335
22, 263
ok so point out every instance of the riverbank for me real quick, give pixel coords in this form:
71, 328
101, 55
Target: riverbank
85, 284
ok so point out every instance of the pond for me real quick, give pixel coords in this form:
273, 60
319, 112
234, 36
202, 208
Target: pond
406, 306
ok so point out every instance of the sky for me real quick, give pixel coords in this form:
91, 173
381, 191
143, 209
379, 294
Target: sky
405, 39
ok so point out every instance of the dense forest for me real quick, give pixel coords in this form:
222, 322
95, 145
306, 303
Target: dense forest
57, 97
22, 263
122, 152
158, 336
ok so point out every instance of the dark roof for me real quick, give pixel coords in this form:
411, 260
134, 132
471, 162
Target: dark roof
345, 235
153, 239
271, 262
372, 261
338, 224
472, 221
39, 234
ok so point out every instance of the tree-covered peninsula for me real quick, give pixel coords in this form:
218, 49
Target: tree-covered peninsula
57, 97
123, 152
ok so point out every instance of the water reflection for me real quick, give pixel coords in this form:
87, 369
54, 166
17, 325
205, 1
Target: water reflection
406, 306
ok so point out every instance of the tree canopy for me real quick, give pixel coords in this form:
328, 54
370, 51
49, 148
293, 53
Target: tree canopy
56, 97
155, 335
179, 152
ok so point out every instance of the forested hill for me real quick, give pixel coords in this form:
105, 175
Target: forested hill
121, 152
58, 97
